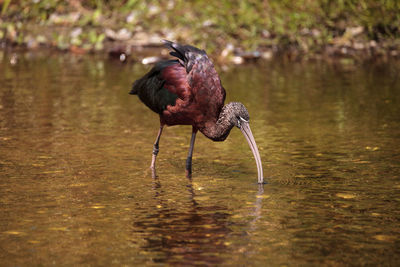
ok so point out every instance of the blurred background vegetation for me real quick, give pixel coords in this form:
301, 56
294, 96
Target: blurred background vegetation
223, 27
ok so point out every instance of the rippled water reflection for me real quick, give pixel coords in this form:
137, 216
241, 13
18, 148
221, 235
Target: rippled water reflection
75, 186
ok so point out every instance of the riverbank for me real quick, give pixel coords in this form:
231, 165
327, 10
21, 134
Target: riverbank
232, 31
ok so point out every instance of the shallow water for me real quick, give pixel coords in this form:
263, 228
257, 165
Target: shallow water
75, 186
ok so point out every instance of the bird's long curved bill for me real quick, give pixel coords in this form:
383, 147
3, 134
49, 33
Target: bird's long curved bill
245, 128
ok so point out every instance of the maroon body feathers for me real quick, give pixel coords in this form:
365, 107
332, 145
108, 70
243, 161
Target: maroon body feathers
199, 90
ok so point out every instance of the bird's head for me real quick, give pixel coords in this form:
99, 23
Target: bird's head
239, 116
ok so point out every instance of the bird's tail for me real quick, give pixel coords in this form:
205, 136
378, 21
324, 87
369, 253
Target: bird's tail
134, 90
186, 54
177, 50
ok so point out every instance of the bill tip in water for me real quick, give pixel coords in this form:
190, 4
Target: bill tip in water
262, 181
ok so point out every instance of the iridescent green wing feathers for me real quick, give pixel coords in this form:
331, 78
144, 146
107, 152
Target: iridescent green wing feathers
150, 88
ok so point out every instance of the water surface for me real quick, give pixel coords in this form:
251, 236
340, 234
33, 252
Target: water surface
75, 188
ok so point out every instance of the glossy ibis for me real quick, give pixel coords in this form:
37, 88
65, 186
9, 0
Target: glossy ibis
188, 91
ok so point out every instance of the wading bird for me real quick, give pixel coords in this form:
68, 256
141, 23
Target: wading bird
188, 91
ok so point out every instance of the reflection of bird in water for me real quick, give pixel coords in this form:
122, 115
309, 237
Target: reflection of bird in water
183, 232
187, 230
188, 91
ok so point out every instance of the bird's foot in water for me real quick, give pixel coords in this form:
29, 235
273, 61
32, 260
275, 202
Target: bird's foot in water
152, 169
189, 167
153, 162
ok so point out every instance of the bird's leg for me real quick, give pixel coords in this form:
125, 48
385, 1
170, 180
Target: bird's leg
155, 152
189, 158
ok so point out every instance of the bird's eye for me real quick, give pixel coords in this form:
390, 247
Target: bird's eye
239, 123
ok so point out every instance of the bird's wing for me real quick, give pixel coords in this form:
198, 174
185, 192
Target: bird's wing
152, 88
176, 82
203, 82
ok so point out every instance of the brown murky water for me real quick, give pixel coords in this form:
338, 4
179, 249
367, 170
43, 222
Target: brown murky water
75, 187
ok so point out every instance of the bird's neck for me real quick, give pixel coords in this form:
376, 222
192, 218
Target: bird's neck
219, 130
